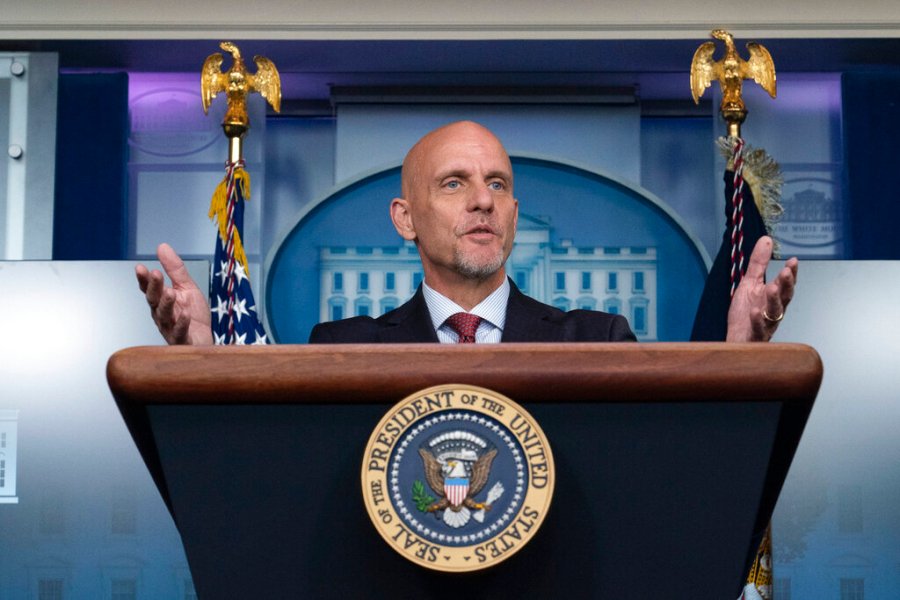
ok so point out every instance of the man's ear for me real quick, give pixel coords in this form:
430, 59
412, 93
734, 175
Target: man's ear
402, 219
516, 217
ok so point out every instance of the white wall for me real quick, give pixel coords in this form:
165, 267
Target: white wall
443, 19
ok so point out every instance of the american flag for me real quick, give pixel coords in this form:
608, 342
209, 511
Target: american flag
745, 225
234, 316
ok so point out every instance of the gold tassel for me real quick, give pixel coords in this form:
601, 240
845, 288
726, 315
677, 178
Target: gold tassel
764, 177
218, 210
761, 572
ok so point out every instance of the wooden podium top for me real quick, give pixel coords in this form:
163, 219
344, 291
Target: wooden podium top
577, 372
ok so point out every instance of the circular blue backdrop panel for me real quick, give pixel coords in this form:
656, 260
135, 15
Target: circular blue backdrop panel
587, 208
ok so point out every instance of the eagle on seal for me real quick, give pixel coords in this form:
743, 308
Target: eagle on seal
454, 486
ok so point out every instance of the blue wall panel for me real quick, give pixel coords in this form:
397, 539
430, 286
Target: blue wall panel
585, 207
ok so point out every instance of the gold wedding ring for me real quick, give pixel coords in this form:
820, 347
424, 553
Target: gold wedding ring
770, 319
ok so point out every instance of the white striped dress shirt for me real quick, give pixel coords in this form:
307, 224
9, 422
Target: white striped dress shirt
492, 311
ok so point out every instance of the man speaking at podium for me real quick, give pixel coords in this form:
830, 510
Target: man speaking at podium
457, 205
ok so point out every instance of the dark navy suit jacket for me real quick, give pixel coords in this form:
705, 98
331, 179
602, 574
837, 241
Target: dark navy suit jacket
527, 320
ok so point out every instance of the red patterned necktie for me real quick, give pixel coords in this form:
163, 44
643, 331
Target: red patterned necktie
465, 325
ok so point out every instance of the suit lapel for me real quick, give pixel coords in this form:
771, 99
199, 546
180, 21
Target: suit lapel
409, 324
528, 320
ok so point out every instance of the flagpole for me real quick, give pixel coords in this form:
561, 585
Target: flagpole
235, 317
730, 71
235, 133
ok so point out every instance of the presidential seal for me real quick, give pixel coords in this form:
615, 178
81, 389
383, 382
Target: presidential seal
457, 478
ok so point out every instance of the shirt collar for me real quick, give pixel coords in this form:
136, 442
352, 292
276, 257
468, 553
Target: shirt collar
492, 309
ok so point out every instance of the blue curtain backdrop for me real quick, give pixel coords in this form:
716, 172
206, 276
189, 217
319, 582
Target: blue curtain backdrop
90, 212
871, 101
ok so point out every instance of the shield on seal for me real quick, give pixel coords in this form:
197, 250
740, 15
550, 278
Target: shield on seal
456, 489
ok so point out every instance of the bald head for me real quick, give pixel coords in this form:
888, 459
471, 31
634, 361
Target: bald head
434, 145
458, 207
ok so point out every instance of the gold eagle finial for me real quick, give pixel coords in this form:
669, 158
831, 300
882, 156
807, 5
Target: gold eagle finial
730, 72
237, 84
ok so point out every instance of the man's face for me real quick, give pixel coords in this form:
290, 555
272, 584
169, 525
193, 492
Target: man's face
458, 203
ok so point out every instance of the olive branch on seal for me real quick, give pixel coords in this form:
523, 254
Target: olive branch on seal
420, 496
